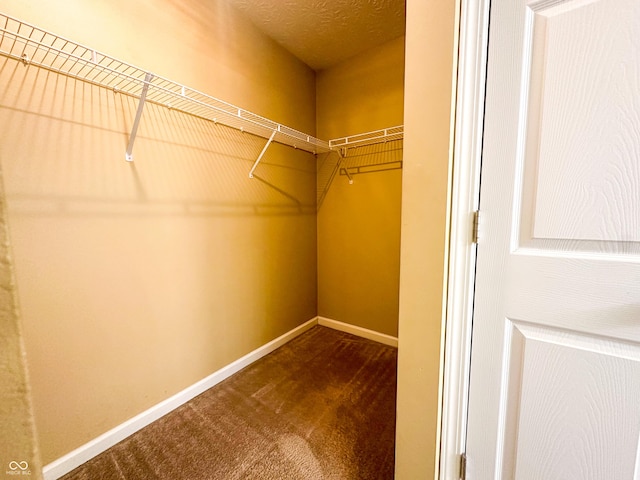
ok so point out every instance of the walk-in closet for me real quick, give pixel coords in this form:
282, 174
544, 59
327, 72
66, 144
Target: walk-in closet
189, 187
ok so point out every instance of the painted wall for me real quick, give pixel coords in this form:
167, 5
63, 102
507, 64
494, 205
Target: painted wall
430, 60
359, 224
137, 280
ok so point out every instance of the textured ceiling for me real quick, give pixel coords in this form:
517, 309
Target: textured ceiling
322, 33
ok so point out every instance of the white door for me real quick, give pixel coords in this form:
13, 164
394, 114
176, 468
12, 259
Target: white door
555, 364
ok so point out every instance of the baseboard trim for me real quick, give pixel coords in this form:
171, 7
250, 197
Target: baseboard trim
359, 331
77, 457
86, 452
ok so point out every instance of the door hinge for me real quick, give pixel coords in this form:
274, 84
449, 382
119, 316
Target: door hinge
474, 226
463, 466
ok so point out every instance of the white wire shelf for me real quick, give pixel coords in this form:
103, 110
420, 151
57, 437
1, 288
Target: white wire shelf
370, 138
34, 46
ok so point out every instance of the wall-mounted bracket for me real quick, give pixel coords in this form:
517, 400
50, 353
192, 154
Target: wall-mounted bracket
255, 165
134, 130
342, 152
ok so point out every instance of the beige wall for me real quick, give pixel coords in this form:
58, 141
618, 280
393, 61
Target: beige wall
137, 280
359, 224
431, 27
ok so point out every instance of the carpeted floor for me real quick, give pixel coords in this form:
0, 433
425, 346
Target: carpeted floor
320, 407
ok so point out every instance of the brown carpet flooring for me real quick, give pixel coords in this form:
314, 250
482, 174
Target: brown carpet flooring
320, 407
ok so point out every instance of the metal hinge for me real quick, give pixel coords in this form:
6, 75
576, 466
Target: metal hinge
474, 226
463, 466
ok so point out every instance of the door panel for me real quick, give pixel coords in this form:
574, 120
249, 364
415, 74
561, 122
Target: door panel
568, 396
588, 103
555, 367
579, 413
579, 140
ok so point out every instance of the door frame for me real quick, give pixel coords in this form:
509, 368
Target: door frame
464, 201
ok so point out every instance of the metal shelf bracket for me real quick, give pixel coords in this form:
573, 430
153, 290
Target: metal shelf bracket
342, 152
255, 165
134, 130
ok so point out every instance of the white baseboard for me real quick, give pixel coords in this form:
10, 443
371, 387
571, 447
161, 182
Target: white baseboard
86, 452
77, 457
359, 331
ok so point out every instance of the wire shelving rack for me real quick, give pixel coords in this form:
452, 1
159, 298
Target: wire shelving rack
35, 46
369, 138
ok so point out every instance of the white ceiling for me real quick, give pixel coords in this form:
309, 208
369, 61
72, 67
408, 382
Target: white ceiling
322, 33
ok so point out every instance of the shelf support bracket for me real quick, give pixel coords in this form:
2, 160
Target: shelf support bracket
134, 130
255, 165
343, 153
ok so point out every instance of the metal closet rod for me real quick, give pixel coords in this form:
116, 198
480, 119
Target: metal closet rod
35, 46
